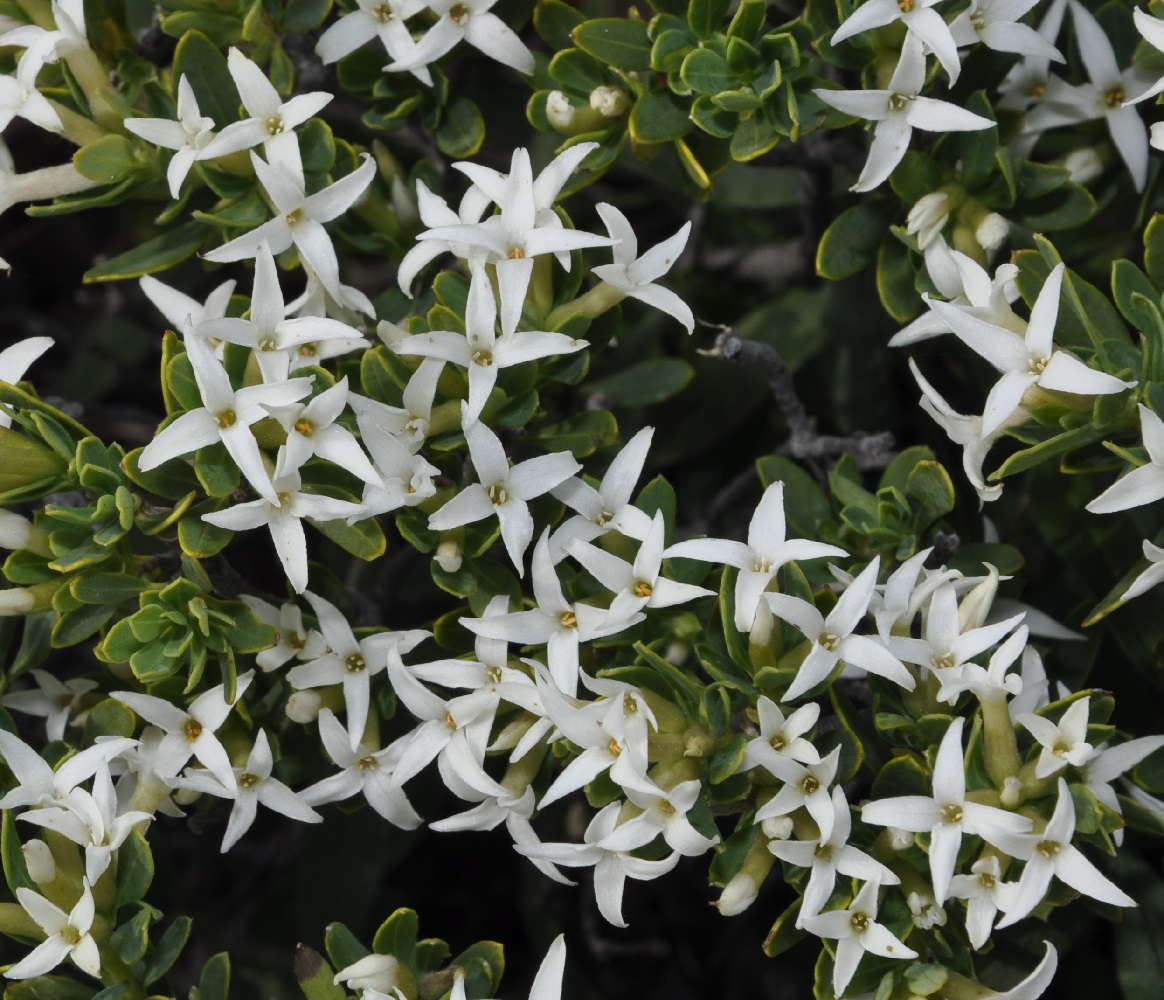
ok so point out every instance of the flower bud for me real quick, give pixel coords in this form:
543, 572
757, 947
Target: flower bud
992, 231
610, 102
304, 706
975, 606
559, 111
38, 859
15, 531
737, 895
1084, 165
928, 217
382, 973
16, 601
926, 912
185, 796
449, 554
899, 840
777, 827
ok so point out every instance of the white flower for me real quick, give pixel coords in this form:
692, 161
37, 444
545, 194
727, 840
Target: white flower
635, 276
832, 640
191, 732
254, 785
273, 121
807, 787
781, 736
1108, 763
1026, 361
273, 339
379, 974
54, 700
927, 218
189, 135
611, 868
826, 857
1064, 742
38, 784
295, 640
924, 24
996, 24
900, 109
985, 893
179, 309
503, 490
760, 558
299, 219
856, 932
225, 416
15, 361
947, 814
312, 430
472, 21
1151, 576
349, 661
1050, 853
663, 812
1142, 485
410, 422
480, 351
67, 935
991, 682
383, 19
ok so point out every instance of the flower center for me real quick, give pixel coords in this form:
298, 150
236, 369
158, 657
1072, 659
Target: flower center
829, 641
268, 344
905, 6
1048, 848
226, 418
629, 705
568, 620
809, 785
666, 807
952, 813
986, 880
483, 358
308, 350
70, 935
859, 922
777, 742
494, 674
367, 763
516, 254
382, 13
294, 641
897, 102
459, 14
1036, 366
248, 780
943, 662
497, 494
305, 427
450, 721
274, 125
643, 589
614, 748
193, 730
824, 852
1037, 89
355, 663
294, 217
1114, 98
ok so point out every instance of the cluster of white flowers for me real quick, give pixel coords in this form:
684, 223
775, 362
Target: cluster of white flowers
456, 20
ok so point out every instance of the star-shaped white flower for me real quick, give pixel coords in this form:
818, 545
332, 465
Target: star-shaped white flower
899, 109
383, 19
635, 276
225, 416
948, 814
67, 935
188, 136
503, 490
856, 932
472, 21
1142, 485
923, 23
1151, 576
1027, 360
1063, 742
52, 699
760, 558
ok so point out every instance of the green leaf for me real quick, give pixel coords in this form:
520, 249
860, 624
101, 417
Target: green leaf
657, 495
315, 976
199, 538
214, 983
131, 939
303, 16
896, 279
647, 382
1140, 936
158, 254
15, 870
204, 65
706, 16
108, 718
167, 950
852, 240
784, 933
135, 870
105, 160
685, 687
397, 936
1126, 281
582, 434
554, 21
1028, 458
726, 759
462, 129
106, 588
756, 134
491, 956
364, 539
342, 946
659, 117
618, 42
1154, 250
930, 493
48, 988
706, 71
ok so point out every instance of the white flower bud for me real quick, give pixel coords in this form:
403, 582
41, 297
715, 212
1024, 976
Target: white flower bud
899, 840
928, 217
559, 110
38, 859
185, 796
1084, 165
610, 102
304, 706
448, 555
372, 972
777, 827
761, 633
975, 606
1011, 794
404, 203
992, 231
16, 601
737, 895
15, 531
926, 912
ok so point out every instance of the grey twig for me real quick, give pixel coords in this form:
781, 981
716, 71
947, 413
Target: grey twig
870, 450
